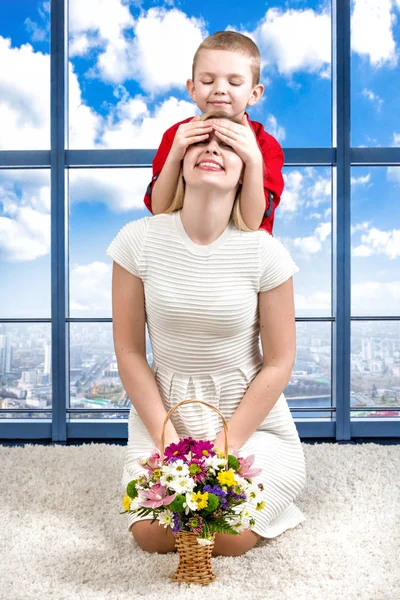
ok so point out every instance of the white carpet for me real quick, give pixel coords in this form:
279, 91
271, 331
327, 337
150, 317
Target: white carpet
61, 536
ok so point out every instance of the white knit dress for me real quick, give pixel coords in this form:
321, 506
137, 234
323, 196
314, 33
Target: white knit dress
202, 317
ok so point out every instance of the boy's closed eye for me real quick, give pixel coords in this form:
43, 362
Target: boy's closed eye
234, 83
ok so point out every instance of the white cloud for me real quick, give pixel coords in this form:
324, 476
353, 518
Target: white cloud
372, 31
157, 59
274, 129
374, 297
362, 180
296, 40
379, 242
364, 290
396, 139
374, 98
98, 24
25, 222
291, 196
304, 189
130, 124
362, 251
24, 98
40, 32
147, 50
323, 231
313, 243
90, 287
120, 190
360, 227
313, 301
308, 245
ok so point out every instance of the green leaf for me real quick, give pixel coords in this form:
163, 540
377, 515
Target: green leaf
221, 526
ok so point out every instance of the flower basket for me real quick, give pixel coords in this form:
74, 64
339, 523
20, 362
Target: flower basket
194, 559
197, 491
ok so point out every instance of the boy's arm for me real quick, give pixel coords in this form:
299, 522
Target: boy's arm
243, 140
167, 162
165, 185
273, 178
252, 196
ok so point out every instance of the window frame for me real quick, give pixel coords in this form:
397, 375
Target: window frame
340, 157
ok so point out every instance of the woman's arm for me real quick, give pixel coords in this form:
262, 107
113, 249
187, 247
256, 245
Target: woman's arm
130, 349
278, 340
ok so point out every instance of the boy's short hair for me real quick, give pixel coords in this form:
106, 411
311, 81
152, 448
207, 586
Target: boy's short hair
233, 42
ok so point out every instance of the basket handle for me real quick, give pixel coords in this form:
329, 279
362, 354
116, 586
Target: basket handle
173, 409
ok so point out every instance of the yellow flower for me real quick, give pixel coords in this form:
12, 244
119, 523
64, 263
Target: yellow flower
126, 502
227, 478
260, 505
156, 474
200, 499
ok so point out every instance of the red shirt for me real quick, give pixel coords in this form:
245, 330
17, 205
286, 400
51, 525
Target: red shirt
273, 162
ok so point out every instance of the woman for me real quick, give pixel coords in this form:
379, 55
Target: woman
208, 291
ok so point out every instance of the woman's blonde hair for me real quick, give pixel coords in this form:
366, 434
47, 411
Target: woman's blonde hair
177, 201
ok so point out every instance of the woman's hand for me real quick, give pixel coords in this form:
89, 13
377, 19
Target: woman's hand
188, 134
219, 443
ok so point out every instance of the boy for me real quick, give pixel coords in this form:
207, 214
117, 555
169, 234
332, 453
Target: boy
225, 76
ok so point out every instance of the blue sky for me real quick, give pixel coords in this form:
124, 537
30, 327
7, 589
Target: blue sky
128, 67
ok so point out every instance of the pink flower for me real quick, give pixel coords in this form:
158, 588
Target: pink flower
176, 451
198, 469
245, 469
156, 496
203, 448
153, 462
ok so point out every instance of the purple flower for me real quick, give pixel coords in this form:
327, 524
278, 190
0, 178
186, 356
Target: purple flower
175, 451
202, 449
177, 524
190, 442
196, 524
218, 492
198, 470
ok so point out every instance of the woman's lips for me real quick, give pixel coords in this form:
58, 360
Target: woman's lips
207, 168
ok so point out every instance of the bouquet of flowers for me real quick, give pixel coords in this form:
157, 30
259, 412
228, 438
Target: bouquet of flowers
196, 489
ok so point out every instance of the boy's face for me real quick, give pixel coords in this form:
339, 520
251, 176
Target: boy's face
223, 80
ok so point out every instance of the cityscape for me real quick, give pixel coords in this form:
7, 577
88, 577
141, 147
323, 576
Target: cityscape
26, 377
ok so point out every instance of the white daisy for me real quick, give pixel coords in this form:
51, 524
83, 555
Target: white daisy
215, 463
135, 503
190, 504
166, 518
254, 495
179, 468
182, 485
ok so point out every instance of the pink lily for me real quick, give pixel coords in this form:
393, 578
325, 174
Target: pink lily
245, 469
156, 496
153, 462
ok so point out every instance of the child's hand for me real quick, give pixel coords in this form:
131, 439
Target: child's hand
187, 134
240, 137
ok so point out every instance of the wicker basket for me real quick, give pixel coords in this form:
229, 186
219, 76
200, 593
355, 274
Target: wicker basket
194, 560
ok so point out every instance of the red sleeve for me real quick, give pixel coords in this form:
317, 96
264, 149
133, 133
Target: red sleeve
273, 179
160, 158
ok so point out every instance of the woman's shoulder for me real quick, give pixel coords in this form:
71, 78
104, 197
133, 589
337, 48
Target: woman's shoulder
149, 223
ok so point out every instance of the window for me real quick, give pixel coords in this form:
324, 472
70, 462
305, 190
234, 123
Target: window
74, 168
25, 75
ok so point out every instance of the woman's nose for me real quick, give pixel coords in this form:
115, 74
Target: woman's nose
212, 147
212, 150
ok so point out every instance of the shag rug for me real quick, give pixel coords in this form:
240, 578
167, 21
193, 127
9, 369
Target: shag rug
62, 537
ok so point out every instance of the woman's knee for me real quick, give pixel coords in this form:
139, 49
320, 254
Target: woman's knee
234, 545
150, 537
